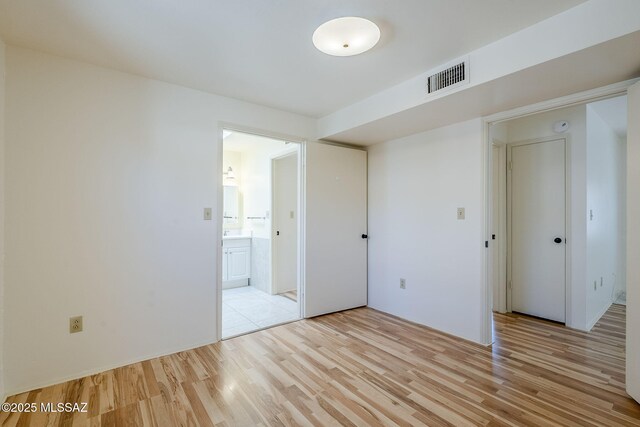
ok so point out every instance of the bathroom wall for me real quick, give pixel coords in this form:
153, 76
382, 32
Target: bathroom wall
233, 159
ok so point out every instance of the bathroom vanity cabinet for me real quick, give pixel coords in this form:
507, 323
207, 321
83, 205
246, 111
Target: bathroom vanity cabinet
236, 262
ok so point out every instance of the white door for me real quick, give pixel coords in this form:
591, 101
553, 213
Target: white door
633, 243
336, 228
537, 229
285, 223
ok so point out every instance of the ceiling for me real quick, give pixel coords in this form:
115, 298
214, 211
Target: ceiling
614, 112
261, 51
606, 63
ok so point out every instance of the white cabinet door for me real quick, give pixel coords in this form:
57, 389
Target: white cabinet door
238, 263
633, 242
336, 228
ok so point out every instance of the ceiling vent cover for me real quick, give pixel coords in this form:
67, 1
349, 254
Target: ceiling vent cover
448, 78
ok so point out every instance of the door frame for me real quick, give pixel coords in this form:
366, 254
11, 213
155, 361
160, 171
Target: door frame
273, 225
498, 272
567, 218
219, 223
610, 91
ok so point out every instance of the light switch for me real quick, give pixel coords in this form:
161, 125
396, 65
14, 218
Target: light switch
207, 214
460, 213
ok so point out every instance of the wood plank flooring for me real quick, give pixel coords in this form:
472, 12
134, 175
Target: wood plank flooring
365, 368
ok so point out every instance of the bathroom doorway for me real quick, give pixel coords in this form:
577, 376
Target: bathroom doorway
261, 233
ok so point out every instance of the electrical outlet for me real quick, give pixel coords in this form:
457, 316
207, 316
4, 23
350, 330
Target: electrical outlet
601, 281
460, 213
403, 284
75, 324
208, 214
595, 285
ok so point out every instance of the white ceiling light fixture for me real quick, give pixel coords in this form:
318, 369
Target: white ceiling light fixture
346, 36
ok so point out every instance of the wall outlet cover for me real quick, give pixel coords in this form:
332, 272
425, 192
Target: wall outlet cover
75, 324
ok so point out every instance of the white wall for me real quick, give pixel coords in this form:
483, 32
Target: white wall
632, 371
541, 126
2, 209
606, 230
256, 185
415, 186
107, 176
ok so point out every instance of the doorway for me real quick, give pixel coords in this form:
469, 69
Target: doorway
590, 294
592, 238
261, 232
557, 218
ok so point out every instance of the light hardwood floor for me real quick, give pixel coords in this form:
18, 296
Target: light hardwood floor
362, 367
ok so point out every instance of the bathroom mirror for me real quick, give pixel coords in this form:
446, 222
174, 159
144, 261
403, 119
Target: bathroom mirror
231, 205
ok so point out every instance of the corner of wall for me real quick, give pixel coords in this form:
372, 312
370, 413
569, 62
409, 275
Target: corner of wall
594, 319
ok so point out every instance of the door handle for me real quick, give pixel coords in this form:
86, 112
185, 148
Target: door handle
364, 236
557, 240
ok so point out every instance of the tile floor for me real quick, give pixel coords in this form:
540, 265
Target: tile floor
246, 309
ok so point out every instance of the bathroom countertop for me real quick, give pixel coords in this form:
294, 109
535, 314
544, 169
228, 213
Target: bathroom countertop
235, 237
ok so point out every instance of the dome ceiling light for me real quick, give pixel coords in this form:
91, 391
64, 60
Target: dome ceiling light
346, 36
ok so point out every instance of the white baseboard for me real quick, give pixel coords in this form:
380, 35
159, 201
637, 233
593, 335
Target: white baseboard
597, 317
88, 372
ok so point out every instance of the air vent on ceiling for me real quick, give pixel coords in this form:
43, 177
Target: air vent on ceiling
451, 76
